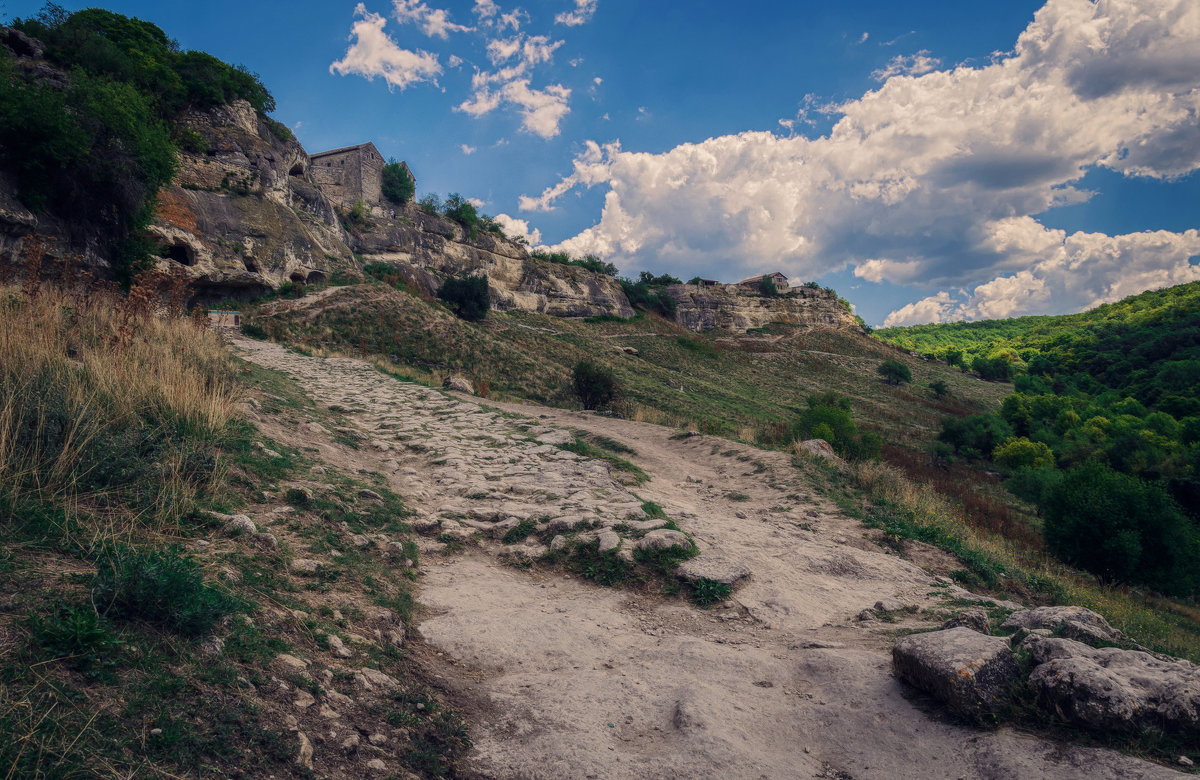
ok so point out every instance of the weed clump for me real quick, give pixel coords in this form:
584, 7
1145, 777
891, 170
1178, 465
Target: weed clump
159, 586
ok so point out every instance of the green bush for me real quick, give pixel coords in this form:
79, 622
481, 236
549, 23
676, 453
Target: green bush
939, 389
398, 186
976, 436
766, 288
992, 369
894, 372
594, 384
468, 296
1021, 453
1121, 529
828, 418
159, 586
97, 150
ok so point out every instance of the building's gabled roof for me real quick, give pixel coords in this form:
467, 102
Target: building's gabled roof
755, 279
343, 150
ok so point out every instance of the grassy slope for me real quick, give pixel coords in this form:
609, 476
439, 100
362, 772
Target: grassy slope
748, 387
739, 385
118, 431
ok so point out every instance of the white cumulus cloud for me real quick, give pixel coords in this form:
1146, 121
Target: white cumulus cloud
907, 65
935, 179
581, 14
434, 22
372, 53
518, 228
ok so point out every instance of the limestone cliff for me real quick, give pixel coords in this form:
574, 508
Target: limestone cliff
242, 213
432, 248
737, 308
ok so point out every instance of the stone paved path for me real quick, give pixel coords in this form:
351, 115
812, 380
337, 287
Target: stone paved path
563, 679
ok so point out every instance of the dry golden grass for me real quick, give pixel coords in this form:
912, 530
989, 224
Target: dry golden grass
75, 365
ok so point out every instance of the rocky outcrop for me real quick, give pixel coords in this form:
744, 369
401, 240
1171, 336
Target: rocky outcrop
972, 673
432, 248
1112, 689
241, 214
731, 307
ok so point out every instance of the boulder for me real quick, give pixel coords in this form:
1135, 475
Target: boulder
663, 539
240, 524
974, 618
609, 540
1072, 622
712, 567
970, 672
1107, 688
459, 384
820, 448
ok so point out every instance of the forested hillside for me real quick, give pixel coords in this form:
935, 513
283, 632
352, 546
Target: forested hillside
1103, 431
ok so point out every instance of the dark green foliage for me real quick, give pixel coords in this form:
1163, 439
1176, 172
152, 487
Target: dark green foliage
590, 262
468, 296
1121, 529
646, 294
939, 389
828, 418
398, 185
992, 369
1034, 484
520, 532
431, 204
975, 436
594, 384
97, 150
766, 288
76, 634
159, 586
250, 330
463, 212
894, 372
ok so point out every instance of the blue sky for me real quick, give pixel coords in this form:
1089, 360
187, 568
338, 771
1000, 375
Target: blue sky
931, 161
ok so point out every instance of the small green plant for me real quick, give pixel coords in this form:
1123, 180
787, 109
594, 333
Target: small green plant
939, 389
76, 634
253, 331
159, 586
520, 532
594, 384
706, 592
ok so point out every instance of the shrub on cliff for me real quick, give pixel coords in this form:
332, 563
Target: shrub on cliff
468, 296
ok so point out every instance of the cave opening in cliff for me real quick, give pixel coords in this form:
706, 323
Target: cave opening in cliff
315, 277
182, 253
297, 170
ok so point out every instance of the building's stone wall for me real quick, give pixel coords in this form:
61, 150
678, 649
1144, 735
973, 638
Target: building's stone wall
348, 174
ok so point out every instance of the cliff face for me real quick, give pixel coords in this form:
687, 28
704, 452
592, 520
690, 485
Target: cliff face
432, 248
242, 214
734, 308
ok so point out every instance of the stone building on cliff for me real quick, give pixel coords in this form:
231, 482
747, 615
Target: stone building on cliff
350, 173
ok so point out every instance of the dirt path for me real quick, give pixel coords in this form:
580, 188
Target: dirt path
564, 679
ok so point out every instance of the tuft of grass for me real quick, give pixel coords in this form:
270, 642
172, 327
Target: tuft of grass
520, 532
582, 447
707, 592
159, 586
